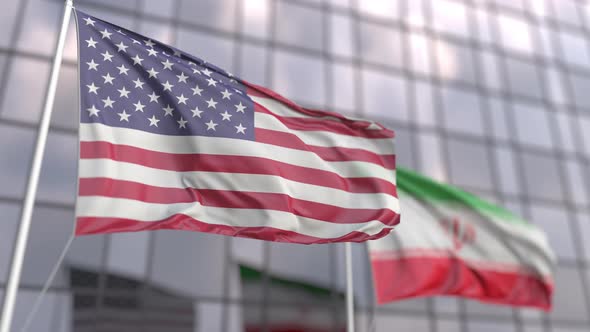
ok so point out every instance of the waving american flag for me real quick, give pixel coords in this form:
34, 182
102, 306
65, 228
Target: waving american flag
169, 141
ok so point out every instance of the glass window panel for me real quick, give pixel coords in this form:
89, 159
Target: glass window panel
340, 3
567, 11
556, 224
450, 17
341, 35
566, 133
476, 172
480, 308
583, 220
539, 7
8, 20
415, 13
179, 258
523, 77
15, 159
87, 252
299, 77
581, 86
420, 53
71, 45
446, 304
404, 150
508, 181
483, 26
388, 9
514, 4
158, 7
215, 49
299, 25
491, 73
218, 14
542, 176
65, 107
546, 42
487, 326
49, 316
128, 254
584, 127
384, 322
455, 62
515, 34
343, 87
10, 215
381, 45
25, 90
532, 125
575, 48
461, 111
384, 96
40, 29
256, 18
555, 85
58, 174
568, 299
210, 316
425, 114
431, 161
499, 118
577, 184
160, 32
253, 62
447, 325
50, 230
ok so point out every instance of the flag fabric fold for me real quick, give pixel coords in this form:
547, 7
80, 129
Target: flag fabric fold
453, 243
169, 141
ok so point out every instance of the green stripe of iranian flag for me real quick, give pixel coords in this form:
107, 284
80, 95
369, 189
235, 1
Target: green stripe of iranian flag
450, 242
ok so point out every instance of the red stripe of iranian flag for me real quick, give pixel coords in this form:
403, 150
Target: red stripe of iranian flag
450, 242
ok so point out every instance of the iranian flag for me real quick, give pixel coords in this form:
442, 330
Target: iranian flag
311, 308
450, 242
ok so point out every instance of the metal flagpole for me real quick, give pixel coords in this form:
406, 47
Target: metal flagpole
27, 210
349, 289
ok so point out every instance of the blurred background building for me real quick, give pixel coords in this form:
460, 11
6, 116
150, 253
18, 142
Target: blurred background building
489, 95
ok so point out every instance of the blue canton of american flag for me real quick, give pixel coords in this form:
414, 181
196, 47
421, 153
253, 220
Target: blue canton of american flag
134, 82
169, 141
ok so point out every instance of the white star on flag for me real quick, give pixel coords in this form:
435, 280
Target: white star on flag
196, 112
106, 34
154, 97
168, 110
226, 94
197, 90
167, 64
181, 99
153, 73
124, 116
138, 83
106, 56
226, 116
240, 108
92, 65
108, 102
139, 106
137, 60
211, 125
211, 103
182, 77
182, 123
93, 88
121, 47
123, 92
108, 79
93, 111
91, 43
241, 129
153, 121
167, 86
123, 69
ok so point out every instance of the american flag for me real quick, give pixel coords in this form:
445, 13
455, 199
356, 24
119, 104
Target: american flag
170, 141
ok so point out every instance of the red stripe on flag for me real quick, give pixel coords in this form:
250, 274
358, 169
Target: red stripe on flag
260, 91
350, 128
233, 199
408, 277
94, 225
233, 164
292, 141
